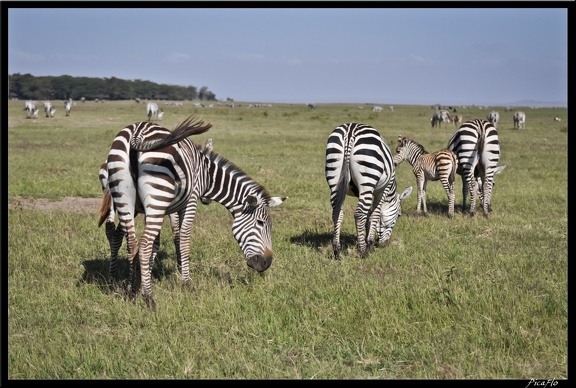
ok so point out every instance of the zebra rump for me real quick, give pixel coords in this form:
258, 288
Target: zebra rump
477, 147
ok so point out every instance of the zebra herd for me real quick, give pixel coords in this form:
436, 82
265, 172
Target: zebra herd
158, 172
49, 110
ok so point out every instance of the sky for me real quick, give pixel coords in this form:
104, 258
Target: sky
450, 56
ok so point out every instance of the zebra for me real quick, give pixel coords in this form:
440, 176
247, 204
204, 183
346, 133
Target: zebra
477, 147
48, 108
68, 106
440, 165
35, 114
359, 163
377, 109
439, 117
519, 120
494, 117
167, 173
30, 107
115, 234
152, 110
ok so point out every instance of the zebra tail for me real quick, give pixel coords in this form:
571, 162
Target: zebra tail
343, 182
187, 128
105, 206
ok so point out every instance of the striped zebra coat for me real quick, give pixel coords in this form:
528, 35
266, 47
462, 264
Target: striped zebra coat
519, 120
359, 163
115, 234
440, 165
163, 172
477, 147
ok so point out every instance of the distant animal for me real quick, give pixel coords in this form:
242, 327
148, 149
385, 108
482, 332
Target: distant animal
377, 109
360, 164
152, 110
35, 114
494, 117
30, 107
477, 147
440, 165
557, 118
68, 107
457, 118
439, 117
519, 120
48, 108
160, 114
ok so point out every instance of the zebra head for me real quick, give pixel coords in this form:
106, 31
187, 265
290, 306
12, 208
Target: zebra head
391, 210
252, 227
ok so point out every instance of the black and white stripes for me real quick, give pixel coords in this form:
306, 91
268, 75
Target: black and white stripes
477, 147
163, 172
359, 163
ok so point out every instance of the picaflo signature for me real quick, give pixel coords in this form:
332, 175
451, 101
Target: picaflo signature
542, 383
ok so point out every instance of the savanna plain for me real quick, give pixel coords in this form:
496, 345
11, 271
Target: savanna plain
460, 298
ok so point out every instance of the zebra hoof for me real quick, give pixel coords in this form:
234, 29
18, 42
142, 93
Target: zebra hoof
149, 300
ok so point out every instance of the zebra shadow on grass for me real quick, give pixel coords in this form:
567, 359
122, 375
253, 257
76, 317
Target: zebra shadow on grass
438, 208
323, 240
96, 272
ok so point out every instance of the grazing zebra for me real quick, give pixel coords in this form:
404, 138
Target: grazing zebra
519, 120
377, 109
30, 107
440, 165
152, 110
68, 107
115, 234
48, 109
359, 163
477, 147
167, 173
556, 118
494, 117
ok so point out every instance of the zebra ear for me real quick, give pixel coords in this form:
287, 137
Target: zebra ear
406, 193
275, 201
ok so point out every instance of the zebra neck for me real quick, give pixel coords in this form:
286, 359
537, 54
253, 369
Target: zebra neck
229, 185
414, 156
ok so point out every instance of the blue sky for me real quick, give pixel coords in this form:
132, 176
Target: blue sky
452, 56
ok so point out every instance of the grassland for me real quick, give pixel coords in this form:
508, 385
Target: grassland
461, 298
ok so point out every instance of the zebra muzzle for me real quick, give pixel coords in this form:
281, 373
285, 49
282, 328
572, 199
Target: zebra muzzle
260, 262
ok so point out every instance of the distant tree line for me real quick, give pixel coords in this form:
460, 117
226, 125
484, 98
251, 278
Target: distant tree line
29, 87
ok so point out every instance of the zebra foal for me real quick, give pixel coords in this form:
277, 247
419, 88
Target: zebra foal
440, 165
166, 173
360, 164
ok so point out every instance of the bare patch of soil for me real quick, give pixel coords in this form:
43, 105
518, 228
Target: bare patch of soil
71, 204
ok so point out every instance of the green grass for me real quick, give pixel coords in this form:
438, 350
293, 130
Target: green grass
461, 298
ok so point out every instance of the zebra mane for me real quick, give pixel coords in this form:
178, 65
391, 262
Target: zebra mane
415, 143
188, 127
227, 165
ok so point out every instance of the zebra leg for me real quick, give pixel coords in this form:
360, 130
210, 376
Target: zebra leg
487, 195
175, 224
186, 219
464, 193
471, 187
361, 216
151, 231
115, 237
451, 199
423, 197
